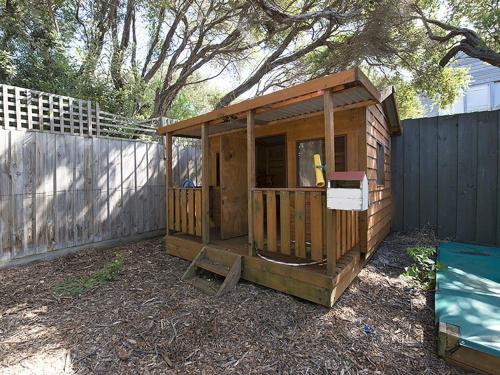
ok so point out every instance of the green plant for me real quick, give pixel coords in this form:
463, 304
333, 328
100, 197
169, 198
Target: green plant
423, 272
79, 284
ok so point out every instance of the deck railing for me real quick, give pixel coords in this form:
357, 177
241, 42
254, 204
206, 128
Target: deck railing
293, 222
346, 231
184, 214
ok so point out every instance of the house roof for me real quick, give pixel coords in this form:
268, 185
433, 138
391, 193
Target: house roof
351, 89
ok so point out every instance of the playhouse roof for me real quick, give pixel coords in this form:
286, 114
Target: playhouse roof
351, 88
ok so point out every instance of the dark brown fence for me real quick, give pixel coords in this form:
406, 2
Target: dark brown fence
446, 174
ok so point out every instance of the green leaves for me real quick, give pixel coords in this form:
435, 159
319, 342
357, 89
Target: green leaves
78, 285
423, 272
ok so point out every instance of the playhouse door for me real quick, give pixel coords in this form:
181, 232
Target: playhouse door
233, 182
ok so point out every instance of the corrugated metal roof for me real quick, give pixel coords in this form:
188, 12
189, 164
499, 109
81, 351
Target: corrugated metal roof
313, 105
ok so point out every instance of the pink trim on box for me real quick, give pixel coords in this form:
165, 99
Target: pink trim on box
347, 176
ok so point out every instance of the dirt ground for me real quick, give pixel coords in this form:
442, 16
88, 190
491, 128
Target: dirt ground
148, 321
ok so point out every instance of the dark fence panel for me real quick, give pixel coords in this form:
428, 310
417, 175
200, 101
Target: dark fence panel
446, 174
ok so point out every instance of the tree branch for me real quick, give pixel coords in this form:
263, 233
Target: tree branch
471, 43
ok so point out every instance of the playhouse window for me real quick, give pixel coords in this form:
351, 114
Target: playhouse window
380, 164
305, 152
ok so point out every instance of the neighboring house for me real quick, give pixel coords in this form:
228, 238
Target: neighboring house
483, 93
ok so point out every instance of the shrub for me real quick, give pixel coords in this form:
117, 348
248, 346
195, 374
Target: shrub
423, 272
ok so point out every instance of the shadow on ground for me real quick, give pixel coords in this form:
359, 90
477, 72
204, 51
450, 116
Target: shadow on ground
148, 321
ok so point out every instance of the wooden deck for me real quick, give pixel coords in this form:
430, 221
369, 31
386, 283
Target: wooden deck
308, 282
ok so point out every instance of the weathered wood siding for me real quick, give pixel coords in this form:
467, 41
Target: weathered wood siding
375, 224
61, 190
447, 176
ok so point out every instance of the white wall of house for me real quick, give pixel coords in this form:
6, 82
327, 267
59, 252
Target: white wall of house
483, 93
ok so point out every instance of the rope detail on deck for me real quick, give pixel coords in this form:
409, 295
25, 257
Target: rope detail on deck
287, 263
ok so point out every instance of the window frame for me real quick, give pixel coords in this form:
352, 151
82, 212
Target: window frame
298, 141
380, 164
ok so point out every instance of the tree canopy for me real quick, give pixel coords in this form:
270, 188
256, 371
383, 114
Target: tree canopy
147, 58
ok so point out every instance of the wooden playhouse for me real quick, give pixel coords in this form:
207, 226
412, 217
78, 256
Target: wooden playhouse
262, 212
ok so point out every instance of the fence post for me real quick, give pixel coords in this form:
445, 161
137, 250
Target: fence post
80, 115
51, 112
89, 118
29, 108
40, 111
5, 103
97, 120
17, 103
71, 114
61, 115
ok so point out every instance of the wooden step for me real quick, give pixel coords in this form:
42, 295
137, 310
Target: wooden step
204, 285
217, 261
211, 266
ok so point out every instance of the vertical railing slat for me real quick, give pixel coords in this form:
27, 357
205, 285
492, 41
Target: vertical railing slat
285, 222
191, 226
316, 226
184, 226
271, 221
344, 232
300, 221
171, 209
198, 214
177, 210
258, 217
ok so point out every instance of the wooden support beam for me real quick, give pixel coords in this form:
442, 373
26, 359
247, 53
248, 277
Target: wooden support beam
331, 250
205, 183
168, 175
250, 176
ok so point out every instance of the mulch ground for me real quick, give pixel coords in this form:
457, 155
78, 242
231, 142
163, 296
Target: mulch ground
148, 321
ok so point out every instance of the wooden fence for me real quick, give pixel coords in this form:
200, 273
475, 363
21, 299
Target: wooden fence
60, 190
72, 175
22, 108
446, 174
186, 162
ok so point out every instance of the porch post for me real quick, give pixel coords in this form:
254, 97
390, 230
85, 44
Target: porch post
250, 176
205, 184
168, 177
331, 250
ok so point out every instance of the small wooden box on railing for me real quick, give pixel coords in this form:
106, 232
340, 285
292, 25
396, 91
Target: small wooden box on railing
347, 191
